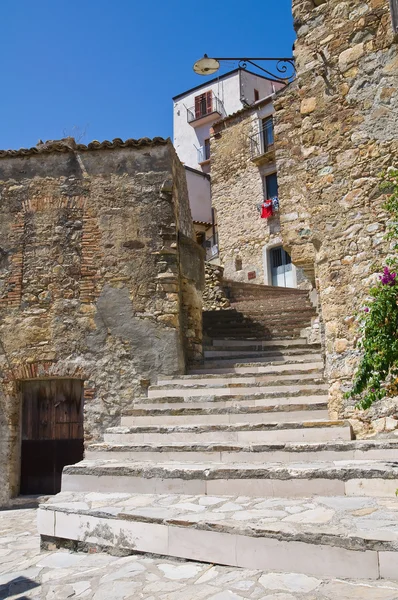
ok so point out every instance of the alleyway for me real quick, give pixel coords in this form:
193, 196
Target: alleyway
27, 573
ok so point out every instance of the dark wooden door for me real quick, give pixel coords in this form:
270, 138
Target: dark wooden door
52, 432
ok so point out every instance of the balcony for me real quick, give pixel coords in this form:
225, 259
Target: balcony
262, 146
207, 109
211, 247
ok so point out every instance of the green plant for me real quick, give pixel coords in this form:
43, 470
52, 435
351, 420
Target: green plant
378, 370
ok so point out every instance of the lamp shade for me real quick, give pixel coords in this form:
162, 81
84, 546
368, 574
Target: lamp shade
206, 66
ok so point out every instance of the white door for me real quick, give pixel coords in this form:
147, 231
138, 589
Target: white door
281, 268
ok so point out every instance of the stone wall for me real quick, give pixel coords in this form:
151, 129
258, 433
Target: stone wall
336, 130
214, 296
93, 284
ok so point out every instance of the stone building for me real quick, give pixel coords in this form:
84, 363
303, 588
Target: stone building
243, 176
194, 112
336, 130
100, 290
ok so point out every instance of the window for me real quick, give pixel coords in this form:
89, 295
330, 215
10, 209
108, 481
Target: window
203, 104
267, 132
394, 14
271, 185
256, 95
206, 146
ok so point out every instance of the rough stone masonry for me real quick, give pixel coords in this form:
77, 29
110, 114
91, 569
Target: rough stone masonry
100, 277
336, 130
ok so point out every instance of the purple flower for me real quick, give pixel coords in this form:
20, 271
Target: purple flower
388, 278
366, 309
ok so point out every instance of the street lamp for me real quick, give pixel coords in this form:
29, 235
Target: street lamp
284, 66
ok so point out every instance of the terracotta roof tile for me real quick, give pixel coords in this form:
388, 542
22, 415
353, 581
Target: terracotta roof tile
69, 145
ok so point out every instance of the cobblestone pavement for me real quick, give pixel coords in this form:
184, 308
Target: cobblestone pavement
25, 573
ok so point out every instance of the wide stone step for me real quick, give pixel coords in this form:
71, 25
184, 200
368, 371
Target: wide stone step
253, 321
242, 361
277, 367
299, 341
311, 431
236, 414
279, 387
319, 537
257, 332
359, 478
272, 375
228, 402
386, 450
271, 355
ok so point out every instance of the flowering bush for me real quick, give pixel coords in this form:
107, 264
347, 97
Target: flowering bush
378, 369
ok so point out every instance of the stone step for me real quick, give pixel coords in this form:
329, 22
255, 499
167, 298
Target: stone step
259, 346
359, 478
253, 321
299, 341
282, 387
316, 536
256, 330
285, 453
246, 378
270, 355
274, 312
228, 402
219, 416
252, 369
242, 361
310, 431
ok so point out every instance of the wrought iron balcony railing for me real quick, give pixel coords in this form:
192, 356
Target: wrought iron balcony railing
262, 142
205, 105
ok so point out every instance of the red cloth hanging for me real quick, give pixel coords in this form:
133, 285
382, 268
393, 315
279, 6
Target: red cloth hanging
266, 209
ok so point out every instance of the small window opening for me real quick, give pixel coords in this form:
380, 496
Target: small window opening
271, 186
256, 95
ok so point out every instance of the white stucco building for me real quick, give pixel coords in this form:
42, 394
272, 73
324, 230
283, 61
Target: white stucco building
195, 111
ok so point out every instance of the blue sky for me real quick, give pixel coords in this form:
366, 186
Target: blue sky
109, 68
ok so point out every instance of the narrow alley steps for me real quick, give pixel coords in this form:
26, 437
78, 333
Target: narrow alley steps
238, 462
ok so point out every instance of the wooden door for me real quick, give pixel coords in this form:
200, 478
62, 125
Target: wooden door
52, 432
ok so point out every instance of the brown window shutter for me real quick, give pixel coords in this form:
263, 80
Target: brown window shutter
394, 14
209, 102
197, 106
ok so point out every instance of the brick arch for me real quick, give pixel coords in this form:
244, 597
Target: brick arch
50, 370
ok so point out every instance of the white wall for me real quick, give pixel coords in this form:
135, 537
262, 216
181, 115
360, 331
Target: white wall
250, 82
188, 138
199, 196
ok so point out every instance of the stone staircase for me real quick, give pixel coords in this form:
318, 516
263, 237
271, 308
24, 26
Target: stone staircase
237, 463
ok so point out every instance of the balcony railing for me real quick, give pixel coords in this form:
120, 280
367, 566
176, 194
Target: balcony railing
203, 154
204, 108
262, 142
211, 247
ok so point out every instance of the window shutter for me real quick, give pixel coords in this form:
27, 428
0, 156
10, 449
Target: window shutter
209, 102
197, 107
394, 14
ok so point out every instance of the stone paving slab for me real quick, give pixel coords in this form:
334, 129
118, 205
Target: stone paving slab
59, 575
